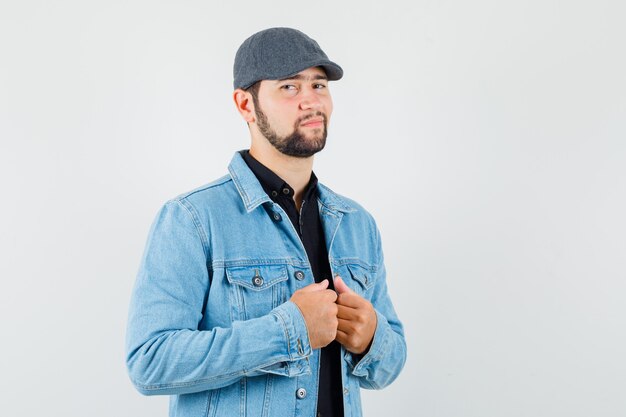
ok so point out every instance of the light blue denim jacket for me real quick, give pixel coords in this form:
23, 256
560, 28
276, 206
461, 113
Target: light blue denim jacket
210, 320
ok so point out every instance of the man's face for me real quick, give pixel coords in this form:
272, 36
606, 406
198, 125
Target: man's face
293, 113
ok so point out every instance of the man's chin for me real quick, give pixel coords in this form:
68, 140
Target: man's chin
316, 134
303, 152
302, 143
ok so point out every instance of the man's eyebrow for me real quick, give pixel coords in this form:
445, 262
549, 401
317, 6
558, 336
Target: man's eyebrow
302, 77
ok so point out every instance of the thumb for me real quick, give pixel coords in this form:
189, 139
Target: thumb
341, 286
318, 286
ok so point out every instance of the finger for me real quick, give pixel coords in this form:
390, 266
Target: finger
351, 300
342, 337
331, 295
346, 313
318, 286
346, 326
341, 286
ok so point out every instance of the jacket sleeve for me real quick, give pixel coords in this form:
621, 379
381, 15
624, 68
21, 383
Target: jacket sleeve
166, 351
386, 356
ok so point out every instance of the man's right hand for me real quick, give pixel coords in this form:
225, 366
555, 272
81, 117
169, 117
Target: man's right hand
319, 310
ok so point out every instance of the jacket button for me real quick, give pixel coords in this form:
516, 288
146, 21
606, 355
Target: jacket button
301, 393
276, 216
299, 275
257, 280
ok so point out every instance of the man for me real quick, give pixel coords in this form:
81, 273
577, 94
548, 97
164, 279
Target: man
264, 293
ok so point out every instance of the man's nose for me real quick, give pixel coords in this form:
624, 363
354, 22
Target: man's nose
310, 99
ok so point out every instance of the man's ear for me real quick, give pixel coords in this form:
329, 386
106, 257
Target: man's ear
245, 105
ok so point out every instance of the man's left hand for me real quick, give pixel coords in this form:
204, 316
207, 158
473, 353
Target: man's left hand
357, 319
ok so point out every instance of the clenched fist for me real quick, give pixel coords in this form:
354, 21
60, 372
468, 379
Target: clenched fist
357, 319
317, 304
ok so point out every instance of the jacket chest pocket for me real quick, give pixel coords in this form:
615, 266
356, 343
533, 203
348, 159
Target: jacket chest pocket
256, 290
359, 278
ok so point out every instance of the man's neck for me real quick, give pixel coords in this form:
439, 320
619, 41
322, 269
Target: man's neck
295, 171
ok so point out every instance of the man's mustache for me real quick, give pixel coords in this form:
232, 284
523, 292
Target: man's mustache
310, 116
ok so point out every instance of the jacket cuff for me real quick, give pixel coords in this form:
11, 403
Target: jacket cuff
296, 333
377, 348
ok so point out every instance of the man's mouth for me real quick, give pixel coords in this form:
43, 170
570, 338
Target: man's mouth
314, 122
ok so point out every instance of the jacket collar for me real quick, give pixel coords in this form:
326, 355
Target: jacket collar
333, 201
253, 195
247, 184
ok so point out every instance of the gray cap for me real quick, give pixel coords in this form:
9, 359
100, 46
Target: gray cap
276, 53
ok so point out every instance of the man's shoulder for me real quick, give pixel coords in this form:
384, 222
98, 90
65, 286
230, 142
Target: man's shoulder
206, 191
213, 186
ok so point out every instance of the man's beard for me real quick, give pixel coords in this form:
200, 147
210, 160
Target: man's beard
294, 144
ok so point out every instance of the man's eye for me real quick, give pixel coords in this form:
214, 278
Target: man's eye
289, 87
320, 86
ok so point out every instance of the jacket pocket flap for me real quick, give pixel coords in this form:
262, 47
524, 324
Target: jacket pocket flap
363, 276
257, 277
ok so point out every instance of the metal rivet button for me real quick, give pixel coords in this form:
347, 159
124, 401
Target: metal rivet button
286, 191
299, 275
301, 393
257, 280
274, 193
276, 216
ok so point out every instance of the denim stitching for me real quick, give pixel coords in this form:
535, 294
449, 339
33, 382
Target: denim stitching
214, 378
233, 278
250, 205
194, 217
230, 263
341, 204
286, 330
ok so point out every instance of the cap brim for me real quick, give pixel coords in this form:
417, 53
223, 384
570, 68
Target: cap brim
333, 71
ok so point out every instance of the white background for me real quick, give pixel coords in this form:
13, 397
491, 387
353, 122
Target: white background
486, 137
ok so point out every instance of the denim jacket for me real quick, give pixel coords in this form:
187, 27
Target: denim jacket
210, 320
